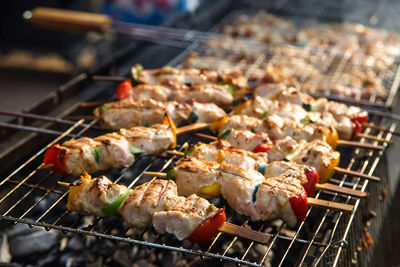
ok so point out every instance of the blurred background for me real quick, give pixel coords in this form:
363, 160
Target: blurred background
35, 61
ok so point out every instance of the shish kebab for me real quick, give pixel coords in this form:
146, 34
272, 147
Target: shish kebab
222, 152
151, 79
248, 192
168, 83
153, 203
294, 105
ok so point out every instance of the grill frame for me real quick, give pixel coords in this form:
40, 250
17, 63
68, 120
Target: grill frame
334, 248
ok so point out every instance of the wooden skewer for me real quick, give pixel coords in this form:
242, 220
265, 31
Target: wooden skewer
192, 127
311, 201
109, 78
376, 127
320, 203
46, 167
232, 229
370, 137
64, 184
90, 104
341, 190
245, 232
76, 118
326, 187
206, 136
359, 145
357, 174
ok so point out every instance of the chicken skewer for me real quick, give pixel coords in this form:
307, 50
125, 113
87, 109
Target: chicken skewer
155, 202
112, 150
347, 127
248, 192
129, 113
281, 92
316, 154
168, 83
222, 152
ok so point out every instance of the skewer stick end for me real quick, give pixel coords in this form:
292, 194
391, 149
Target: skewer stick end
64, 184
245, 232
320, 203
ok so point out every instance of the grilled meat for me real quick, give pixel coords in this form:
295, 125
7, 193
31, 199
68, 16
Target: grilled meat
112, 150
128, 113
155, 202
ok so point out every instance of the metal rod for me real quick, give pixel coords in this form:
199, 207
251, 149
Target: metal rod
42, 118
33, 129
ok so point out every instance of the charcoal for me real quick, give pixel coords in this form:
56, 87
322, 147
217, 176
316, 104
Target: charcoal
75, 243
25, 241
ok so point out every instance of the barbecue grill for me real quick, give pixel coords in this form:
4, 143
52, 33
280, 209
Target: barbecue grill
31, 195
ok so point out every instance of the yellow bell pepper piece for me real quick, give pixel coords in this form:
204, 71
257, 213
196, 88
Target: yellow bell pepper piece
220, 156
77, 187
327, 172
332, 138
169, 122
213, 190
217, 124
238, 109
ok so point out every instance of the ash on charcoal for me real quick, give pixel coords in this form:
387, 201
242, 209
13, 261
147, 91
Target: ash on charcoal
5, 255
25, 241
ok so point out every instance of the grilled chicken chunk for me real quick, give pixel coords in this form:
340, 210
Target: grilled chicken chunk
317, 154
128, 113
237, 188
247, 140
273, 199
94, 194
184, 217
191, 174
222, 152
138, 208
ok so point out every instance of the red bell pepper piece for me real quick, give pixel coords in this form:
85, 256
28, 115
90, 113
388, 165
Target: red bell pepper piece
208, 229
361, 117
312, 180
123, 89
57, 156
299, 205
263, 147
356, 129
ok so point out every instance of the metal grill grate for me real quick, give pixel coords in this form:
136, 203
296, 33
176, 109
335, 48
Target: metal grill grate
32, 196
328, 62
